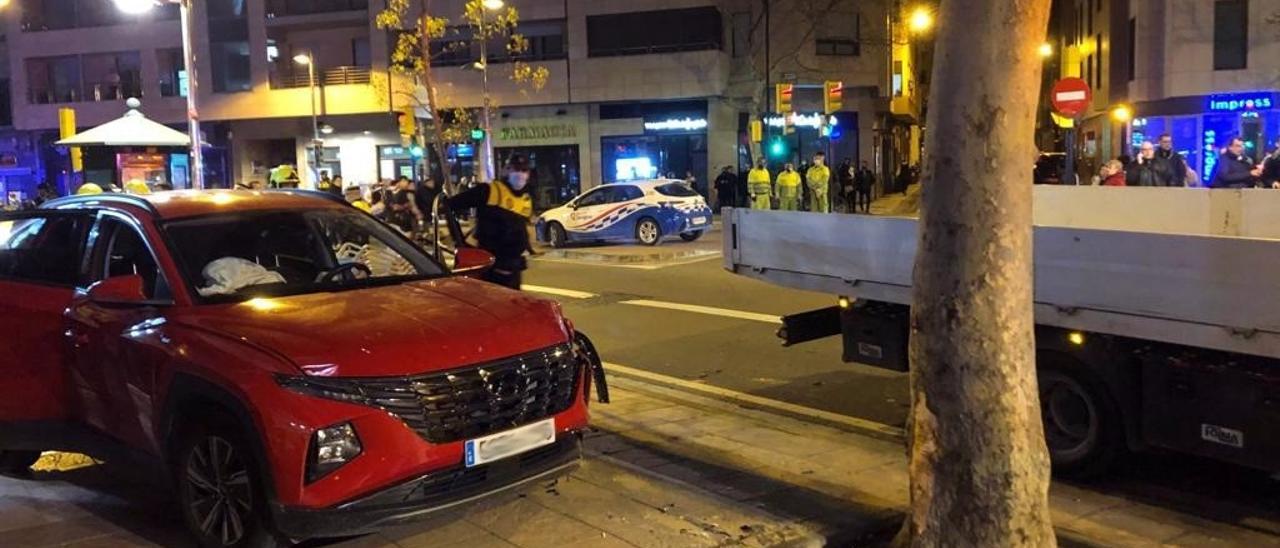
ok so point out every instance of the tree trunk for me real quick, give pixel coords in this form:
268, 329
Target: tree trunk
437, 144
978, 463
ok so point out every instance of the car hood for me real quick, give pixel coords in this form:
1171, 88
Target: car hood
406, 329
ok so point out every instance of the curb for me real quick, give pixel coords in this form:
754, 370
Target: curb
597, 257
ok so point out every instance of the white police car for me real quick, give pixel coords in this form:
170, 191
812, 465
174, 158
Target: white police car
643, 211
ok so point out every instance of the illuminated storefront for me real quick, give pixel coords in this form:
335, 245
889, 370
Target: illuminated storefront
1201, 126
673, 143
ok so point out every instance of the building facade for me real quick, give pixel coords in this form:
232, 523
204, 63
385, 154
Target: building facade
1202, 71
637, 88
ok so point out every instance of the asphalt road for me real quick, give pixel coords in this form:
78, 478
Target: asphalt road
715, 347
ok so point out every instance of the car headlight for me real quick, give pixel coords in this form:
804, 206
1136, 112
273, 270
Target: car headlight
331, 448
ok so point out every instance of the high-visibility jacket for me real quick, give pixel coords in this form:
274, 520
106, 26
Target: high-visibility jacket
817, 178
759, 182
788, 183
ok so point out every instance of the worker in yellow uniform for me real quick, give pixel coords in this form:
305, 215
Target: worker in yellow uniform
759, 186
817, 179
789, 188
355, 197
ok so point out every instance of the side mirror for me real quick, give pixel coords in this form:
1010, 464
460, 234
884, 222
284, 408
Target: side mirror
472, 262
118, 290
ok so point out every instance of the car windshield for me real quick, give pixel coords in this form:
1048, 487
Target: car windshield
237, 256
680, 190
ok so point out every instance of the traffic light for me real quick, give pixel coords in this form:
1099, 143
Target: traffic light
832, 96
782, 98
778, 148
477, 134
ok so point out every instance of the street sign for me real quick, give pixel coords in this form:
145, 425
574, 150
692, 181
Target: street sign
1070, 97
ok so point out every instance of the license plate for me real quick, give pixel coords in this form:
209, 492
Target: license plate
512, 442
699, 220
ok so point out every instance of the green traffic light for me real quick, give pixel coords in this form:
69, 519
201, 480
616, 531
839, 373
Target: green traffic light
778, 148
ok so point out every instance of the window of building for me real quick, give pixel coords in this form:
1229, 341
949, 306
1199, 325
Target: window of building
1230, 34
645, 32
229, 45
6, 104
278, 8
1133, 48
361, 56
42, 15
53, 79
111, 76
546, 42
836, 46
173, 72
741, 33
1088, 63
1089, 18
1097, 46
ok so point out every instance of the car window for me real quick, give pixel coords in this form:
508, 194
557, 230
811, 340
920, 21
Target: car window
272, 253
680, 190
595, 197
122, 251
44, 248
628, 193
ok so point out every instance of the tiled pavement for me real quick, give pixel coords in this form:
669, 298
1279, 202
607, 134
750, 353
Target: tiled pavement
666, 468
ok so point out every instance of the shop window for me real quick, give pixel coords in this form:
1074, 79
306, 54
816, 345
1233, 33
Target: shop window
646, 32
837, 46
1230, 34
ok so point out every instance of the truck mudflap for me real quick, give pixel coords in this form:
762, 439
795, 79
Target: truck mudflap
587, 354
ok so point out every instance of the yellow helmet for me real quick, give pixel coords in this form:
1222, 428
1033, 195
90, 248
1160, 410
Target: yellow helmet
136, 186
89, 188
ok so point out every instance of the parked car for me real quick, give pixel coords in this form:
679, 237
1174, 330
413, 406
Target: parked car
300, 369
1049, 170
643, 211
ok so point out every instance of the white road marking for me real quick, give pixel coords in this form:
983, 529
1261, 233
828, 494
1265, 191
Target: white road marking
572, 294
636, 266
710, 310
756, 401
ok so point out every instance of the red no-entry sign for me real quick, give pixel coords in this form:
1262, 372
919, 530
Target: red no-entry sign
1070, 97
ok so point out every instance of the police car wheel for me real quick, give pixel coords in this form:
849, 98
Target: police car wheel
691, 235
648, 231
556, 236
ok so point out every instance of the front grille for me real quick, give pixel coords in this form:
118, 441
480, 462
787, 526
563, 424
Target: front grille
479, 400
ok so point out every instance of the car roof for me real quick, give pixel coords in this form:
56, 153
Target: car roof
649, 183
176, 204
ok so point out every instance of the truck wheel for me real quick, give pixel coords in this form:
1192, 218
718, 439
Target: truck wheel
17, 463
648, 231
1082, 425
556, 236
690, 236
219, 488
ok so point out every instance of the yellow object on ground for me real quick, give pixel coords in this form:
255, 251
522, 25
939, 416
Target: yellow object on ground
89, 188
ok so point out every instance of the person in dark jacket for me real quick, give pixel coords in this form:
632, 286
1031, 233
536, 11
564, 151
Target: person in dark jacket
1142, 171
844, 180
727, 188
1271, 168
1170, 167
864, 180
503, 209
1235, 170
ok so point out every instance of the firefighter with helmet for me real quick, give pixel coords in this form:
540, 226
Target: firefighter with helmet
503, 210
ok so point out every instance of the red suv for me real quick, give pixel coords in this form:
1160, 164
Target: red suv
302, 370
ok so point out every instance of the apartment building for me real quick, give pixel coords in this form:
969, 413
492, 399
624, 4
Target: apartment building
1203, 71
637, 87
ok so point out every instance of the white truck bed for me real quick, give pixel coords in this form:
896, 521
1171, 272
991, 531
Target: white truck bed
1186, 266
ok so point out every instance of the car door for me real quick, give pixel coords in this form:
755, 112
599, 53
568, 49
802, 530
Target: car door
119, 349
41, 263
586, 211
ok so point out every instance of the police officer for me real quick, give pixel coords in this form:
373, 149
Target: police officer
759, 186
789, 188
503, 209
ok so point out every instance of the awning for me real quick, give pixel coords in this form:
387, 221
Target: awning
132, 129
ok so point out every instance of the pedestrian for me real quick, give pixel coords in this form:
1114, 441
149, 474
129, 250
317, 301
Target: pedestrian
402, 207
760, 186
1170, 167
692, 181
818, 179
1235, 170
1271, 168
503, 209
727, 188
1142, 171
904, 178
845, 178
425, 194
788, 188
1112, 173
336, 185
864, 180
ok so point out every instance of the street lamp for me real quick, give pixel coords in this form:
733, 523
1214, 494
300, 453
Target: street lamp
308, 59
921, 19
1046, 50
1122, 113
493, 4
137, 7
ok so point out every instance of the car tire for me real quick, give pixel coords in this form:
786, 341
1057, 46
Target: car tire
1083, 427
690, 236
17, 463
222, 505
648, 231
556, 236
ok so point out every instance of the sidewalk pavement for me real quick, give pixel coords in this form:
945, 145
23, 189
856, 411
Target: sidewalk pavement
898, 204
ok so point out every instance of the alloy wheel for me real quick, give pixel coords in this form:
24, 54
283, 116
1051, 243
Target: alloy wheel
648, 231
221, 496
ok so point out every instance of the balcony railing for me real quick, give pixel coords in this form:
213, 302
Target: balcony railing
92, 92
282, 8
333, 76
